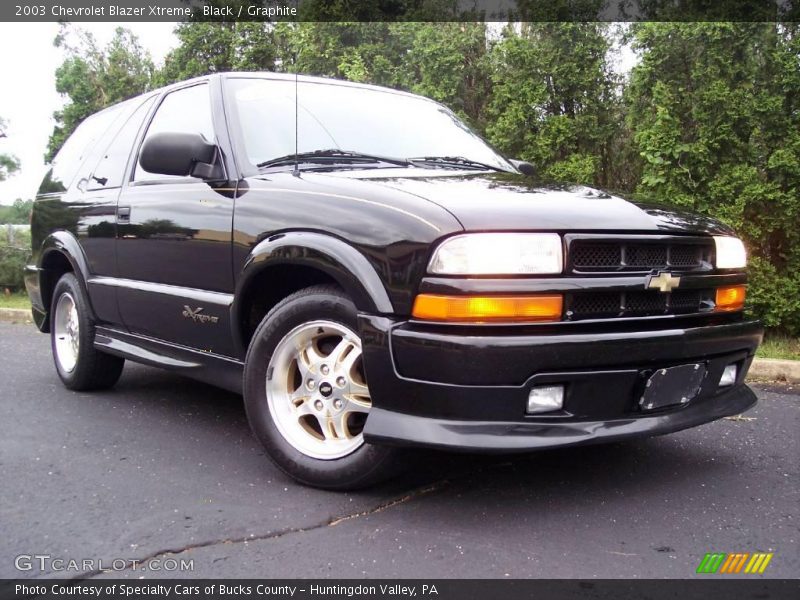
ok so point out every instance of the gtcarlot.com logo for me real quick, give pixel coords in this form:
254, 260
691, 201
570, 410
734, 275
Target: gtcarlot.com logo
47, 562
736, 563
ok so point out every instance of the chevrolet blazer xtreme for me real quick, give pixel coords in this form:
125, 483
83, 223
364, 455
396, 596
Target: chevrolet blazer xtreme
371, 275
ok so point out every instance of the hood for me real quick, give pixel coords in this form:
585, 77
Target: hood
506, 201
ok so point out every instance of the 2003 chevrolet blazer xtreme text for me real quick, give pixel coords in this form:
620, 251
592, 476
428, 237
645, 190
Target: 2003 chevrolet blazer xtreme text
371, 275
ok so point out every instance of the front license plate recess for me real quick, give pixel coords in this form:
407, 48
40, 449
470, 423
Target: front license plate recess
673, 385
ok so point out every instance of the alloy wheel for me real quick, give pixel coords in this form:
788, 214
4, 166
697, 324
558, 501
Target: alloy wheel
67, 332
316, 390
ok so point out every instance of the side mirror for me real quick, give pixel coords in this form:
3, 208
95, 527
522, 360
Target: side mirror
181, 154
523, 167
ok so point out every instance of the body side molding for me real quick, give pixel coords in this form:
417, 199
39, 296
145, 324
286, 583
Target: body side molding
218, 298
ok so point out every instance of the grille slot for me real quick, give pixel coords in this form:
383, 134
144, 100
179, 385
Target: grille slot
645, 303
685, 256
608, 305
684, 301
597, 255
649, 256
640, 255
597, 305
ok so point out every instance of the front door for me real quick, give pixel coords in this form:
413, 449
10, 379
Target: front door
174, 242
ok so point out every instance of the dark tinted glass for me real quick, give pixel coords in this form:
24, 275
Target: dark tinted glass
111, 169
187, 110
75, 150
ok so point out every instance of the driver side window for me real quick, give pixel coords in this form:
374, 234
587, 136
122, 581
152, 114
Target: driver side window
187, 110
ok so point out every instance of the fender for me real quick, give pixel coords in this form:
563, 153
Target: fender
346, 265
67, 244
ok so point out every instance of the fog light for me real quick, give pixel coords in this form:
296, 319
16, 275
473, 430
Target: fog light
728, 376
546, 398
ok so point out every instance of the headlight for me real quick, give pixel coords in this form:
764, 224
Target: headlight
498, 254
730, 253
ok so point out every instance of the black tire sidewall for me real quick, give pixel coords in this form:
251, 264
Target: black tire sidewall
93, 369
366, 464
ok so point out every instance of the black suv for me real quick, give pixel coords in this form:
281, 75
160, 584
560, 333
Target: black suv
370, 274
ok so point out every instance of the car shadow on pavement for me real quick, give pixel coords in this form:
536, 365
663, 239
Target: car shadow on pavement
645, 462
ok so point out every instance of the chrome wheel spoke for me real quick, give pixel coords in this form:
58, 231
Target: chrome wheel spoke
304, 409
309, 359
344, 355
299, 397
357, 404
337, 427
358, 389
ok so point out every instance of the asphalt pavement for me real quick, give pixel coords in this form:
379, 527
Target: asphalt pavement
162, 467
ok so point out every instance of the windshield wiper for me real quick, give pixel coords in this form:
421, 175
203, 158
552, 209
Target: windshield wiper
454, 161
332, 155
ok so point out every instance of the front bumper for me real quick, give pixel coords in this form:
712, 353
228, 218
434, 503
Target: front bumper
467, 388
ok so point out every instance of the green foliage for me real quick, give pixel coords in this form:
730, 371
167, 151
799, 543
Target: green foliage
383, 10
15, 250
93, 78
218, 47
355, 51
17, 213
709, 119
449, 62
554, 102
18, 299
714, 111
9, 164
780, 347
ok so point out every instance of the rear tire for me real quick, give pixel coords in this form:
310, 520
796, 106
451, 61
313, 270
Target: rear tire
78, 363
306, 396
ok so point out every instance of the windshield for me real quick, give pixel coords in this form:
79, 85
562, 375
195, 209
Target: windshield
353, 119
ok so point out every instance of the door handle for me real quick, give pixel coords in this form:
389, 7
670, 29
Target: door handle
123, 213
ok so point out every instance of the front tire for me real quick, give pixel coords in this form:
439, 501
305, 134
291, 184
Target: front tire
78, 363
306, 396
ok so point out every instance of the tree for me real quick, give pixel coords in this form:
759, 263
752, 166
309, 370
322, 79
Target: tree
9, 164
93, 78
709, 119
365, 52
554, 100
444, 61
213, 47
449, 62
715, 113
15, 252
16, 214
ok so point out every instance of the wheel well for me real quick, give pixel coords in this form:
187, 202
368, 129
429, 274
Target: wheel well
54, 265
272, 285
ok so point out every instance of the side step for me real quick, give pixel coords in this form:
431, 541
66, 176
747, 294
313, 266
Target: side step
215, 369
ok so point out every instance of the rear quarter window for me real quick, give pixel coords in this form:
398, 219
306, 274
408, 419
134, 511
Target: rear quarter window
76, 149
109, 172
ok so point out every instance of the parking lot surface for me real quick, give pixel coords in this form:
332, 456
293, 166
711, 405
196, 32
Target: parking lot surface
164, 467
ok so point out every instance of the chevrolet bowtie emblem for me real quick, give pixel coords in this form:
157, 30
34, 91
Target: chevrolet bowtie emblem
664, 282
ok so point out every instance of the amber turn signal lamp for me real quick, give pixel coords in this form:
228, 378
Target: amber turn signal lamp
480, 309
730, 298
